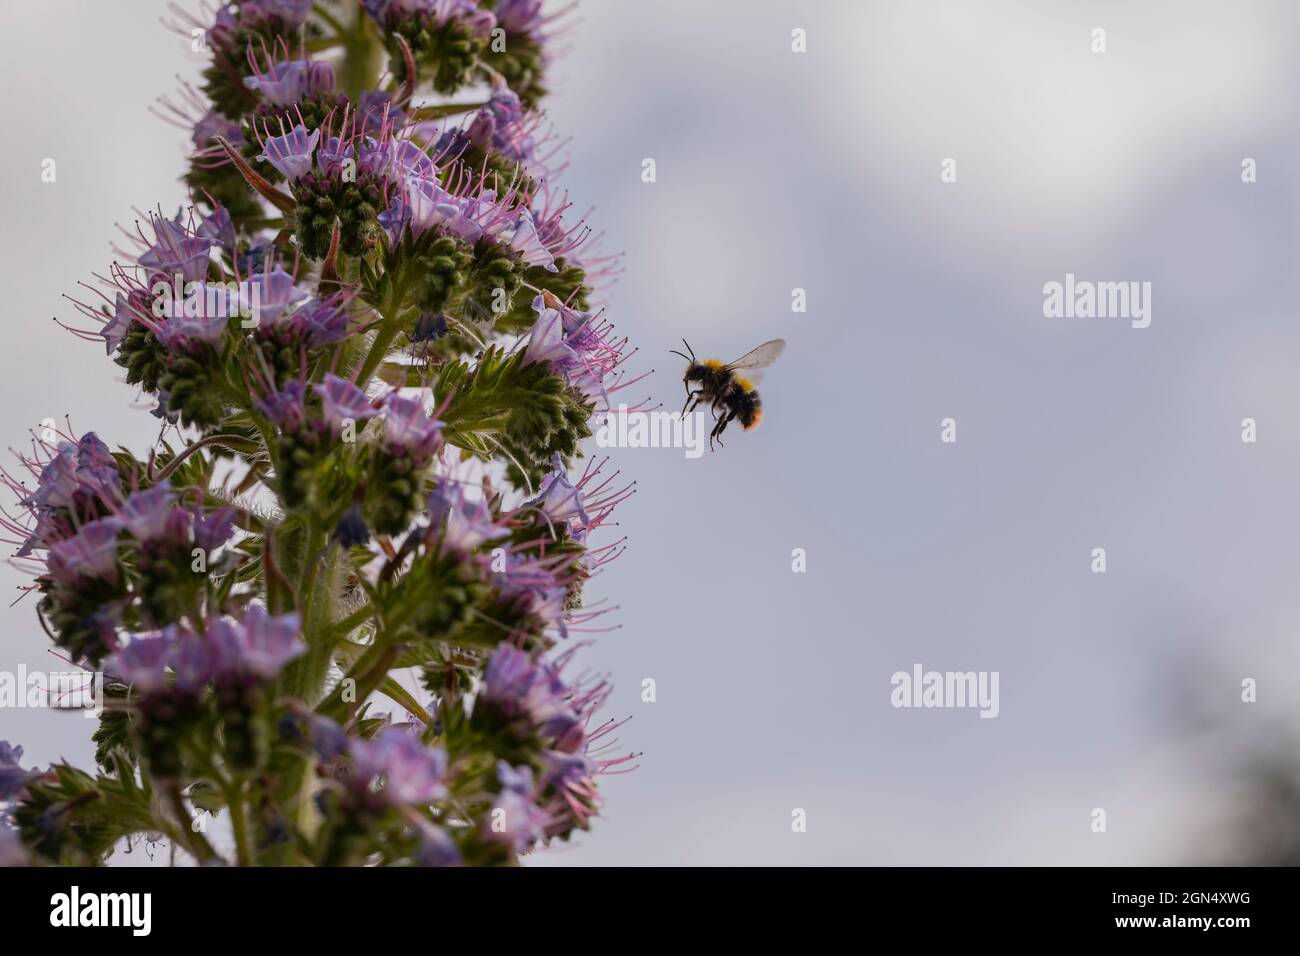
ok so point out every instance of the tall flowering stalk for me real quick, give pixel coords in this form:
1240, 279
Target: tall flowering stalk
374, 337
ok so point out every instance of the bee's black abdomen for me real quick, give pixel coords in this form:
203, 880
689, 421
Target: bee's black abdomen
749, 408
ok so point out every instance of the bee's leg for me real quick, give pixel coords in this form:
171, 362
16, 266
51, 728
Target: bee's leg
722, 425
718, 427
691, 395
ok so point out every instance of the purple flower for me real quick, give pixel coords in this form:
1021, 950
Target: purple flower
292, 12
191, 658
394, 220
223, 26
325, 320
326, 737
564, 769
142, 663
269, 294
375, 106
215, 529
374, 156
523, 239
115, 329
351, 530
176, 251
13, 778
532, 585
12, 853
284, 407
91, 553
257, 647
515, 819
572, 800
408, 429
559, 500
500, 125
438, 13
201, 317
546, 342
510, 674
76, 477
549, 604
285, 83
577, 347
520, 687
466, 525
212, 125
408, 158
341, 401
436, 847
333, 153
410, 772
431, 205
94, 454
519, 16
255, 259
219, 226
291, 153
152, 515
58, 481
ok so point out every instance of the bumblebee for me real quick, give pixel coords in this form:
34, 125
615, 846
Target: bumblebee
727, 392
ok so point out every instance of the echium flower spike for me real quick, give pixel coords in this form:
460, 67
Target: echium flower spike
373, 344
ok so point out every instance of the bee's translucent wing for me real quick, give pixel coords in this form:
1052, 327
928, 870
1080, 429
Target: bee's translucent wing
761, 357
754, 376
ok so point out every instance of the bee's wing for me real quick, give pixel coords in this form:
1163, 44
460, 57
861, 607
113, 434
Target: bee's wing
761, 357
754, 376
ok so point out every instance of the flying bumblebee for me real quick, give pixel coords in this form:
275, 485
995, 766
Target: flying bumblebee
724, 389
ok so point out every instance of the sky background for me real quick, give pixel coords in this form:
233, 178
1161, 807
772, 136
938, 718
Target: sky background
821, 171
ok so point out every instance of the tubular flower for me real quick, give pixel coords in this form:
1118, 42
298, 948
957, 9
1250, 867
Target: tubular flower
13, 778
373, 346
400, 768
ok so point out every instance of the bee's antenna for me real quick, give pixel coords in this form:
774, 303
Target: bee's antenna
689, 358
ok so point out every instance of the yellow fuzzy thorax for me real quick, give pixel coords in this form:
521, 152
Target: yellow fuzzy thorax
712, 363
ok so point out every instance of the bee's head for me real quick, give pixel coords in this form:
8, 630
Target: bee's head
694, 371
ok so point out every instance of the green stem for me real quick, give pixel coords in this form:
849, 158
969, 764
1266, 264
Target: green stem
235, 442
389, 318
347, 625
195, 842
239, 823
445, 109
372, 678
378, 349
313, 605
311, 569
360, 68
